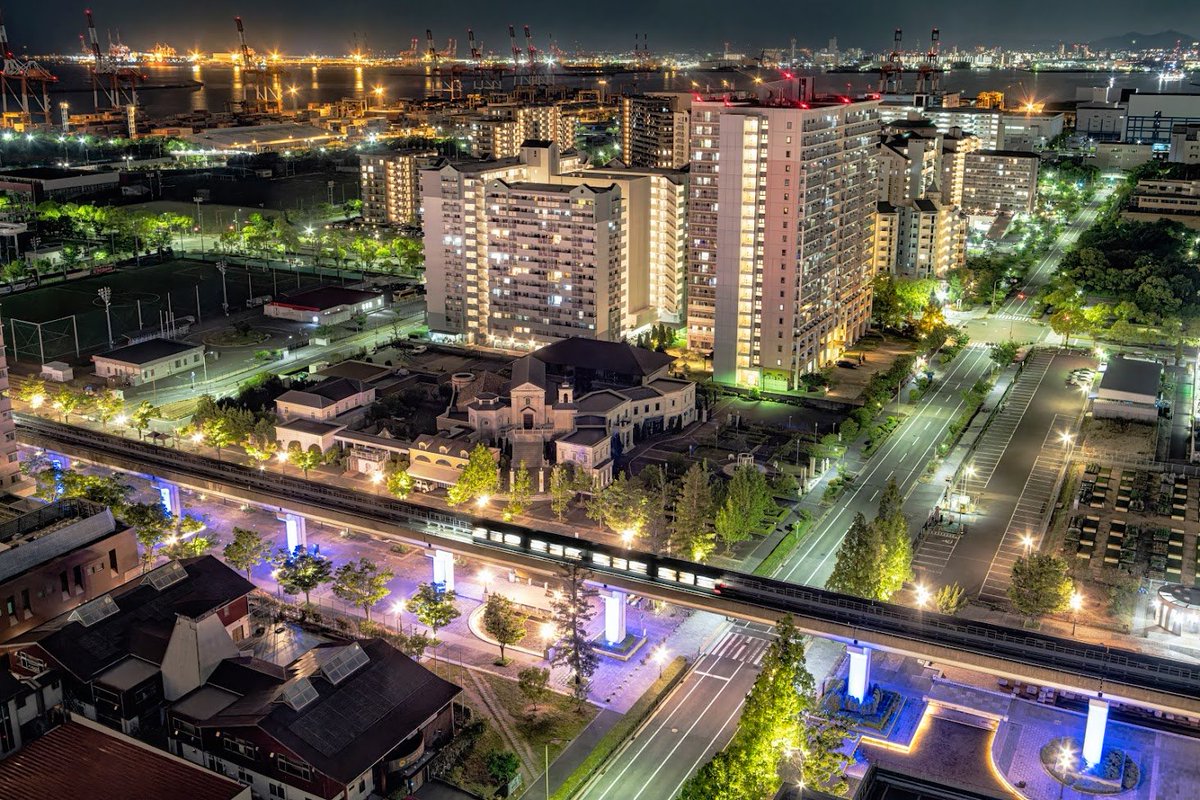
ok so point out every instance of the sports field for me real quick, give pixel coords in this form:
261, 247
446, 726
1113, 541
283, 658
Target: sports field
140, 297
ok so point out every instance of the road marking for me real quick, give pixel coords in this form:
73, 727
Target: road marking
711, 675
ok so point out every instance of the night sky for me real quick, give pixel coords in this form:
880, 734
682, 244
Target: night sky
328, 26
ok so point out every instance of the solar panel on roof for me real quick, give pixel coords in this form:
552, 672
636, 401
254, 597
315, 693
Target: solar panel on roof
299, 694
347, 660
90, 613
166, 575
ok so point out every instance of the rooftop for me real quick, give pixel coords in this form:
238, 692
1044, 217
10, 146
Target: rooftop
149, 351
78, 760
44, 173
344, 706
310, 426
138, 618
324, 297
51, 531
615, 357
1131, 376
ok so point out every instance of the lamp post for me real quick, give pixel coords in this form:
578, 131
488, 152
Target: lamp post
221, 267
922, 596
1066, 761
199, 223
105, 293
660, 658
485, 578
1076, 606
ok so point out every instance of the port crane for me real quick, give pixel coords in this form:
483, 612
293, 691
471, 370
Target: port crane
25, 83
118, 84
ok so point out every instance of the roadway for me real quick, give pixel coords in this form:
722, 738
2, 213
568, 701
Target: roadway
910, 448
697, 720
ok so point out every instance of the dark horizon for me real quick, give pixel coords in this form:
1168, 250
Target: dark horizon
301, 26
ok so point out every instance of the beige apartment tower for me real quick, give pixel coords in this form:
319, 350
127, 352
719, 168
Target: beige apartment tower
654, 129
391, 188
782, 199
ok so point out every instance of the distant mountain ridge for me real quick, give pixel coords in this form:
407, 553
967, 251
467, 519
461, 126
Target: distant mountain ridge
1164, 40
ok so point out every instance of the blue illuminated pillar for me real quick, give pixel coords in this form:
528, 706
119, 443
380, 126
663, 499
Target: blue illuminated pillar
443, 569
59, 460
1093, 734
297, 529
169, 493
614, 617
858, 677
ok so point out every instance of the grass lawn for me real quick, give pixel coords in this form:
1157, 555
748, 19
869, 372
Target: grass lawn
557, 717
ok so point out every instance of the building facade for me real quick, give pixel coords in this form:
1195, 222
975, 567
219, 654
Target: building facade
781, 208
999, 181
10, 468
148, 361
654, 129
391, 190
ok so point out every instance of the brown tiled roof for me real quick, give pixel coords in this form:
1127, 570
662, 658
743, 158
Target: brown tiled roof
74, 760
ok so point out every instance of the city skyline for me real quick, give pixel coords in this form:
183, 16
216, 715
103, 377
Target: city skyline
868, 24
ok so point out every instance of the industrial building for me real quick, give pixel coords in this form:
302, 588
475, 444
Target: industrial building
781, 214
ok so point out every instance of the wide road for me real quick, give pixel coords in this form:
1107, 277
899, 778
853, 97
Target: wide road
908, 451
696, 721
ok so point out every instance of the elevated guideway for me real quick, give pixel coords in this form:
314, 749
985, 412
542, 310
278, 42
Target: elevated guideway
1097, 670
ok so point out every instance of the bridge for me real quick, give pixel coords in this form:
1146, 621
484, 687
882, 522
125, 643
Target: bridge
1102, 672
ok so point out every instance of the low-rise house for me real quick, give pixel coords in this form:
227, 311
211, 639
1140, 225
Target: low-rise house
306, 434
345, 720
58, 557
1129, 390
325, 401
148, 361
438, 461
325, 305
82, 759
153, 640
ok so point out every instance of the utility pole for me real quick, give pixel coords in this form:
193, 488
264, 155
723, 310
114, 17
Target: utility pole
224, 293
200, 224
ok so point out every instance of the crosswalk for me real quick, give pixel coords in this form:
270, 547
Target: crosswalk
1029, 516
995, 440
1012, 316
740, 647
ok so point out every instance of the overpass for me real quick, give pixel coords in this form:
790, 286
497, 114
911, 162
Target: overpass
1100, 671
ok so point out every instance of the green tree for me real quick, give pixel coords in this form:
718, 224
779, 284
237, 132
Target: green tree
302, 570
950, 599
564, 486
362, 584
217, 434
519, 493
399, 483
260, 443
140, 416
620, 507
503, 766
67, 401
856, 569
107, 490
572, 611
1002, 353
108, 404
246, 550
692, 532
179, 547
1040, 585
480, 478
534, 683
434, 606
305, 459
896, 564
659, 492
503, 622
746, 500
822, 760
150, 523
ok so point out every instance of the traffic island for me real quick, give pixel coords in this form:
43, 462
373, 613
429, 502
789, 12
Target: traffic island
1115, 773
878, 716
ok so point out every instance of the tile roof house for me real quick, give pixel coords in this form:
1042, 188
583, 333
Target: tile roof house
81, 759
329, 399
344, 720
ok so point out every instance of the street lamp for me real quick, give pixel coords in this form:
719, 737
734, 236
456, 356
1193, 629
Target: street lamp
199, 223
547, 633
485, 577
1027, 541
922, 595
1076, 605
483, 500
659, 658
397, 607
1066, 762
627, 537
105, 293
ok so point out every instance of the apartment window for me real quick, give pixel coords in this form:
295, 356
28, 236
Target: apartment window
239, 746
62, 580
277, 790
245, 776
26, 606
112, 559
77, 574
10, 605
296, 768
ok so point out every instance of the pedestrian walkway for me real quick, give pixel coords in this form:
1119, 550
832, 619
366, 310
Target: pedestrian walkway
1027, 524
994, 441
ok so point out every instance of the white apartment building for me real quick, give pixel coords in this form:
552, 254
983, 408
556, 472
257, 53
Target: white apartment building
391, 188
997, 181
500, 130
554, 258
1185, 144
650, 220
922, 238
781, 231
654, 129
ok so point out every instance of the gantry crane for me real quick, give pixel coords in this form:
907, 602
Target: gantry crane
891, 71
929, 74
266, 79
117, 83
485, 77
25, 82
